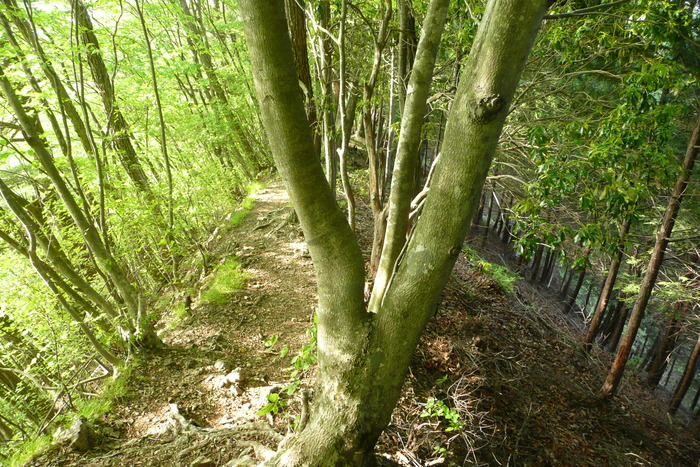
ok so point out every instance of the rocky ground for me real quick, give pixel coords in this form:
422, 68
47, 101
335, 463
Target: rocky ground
498, 379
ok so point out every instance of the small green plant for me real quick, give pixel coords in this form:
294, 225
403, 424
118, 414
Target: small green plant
437, 408
228, 278
502, 275
93, 408
247, 203
179, 314
307, 355
274, 404
440, 450
284, 351
238, 217
270, 343
300, 363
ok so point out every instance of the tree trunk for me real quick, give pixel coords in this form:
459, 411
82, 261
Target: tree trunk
657, 256
651, 354
548, 263
571, 301
296, 21
487, 224
619, 326
402, 185
90, 234
666, 346
407, 48
346, 115
363, 357
117, 125
688, 375
640, 349
372, 128
610, 323
671, 368
536, 262
566, 281
695, 399
607, 287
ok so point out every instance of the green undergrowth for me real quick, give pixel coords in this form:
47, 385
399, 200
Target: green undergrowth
301, 364
246, 205
503, 276
91, 408
228, 277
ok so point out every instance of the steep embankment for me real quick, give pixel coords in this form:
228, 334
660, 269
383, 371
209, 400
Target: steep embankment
499, 378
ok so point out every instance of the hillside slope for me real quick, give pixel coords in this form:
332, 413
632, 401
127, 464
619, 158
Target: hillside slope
498, 379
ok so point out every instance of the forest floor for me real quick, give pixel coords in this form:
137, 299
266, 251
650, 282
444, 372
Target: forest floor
499, 377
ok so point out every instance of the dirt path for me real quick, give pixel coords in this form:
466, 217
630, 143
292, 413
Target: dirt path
498, 378
196, 401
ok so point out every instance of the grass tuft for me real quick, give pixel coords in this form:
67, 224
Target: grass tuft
229, 277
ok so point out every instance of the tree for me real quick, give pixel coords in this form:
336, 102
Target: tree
662, 239
363, 357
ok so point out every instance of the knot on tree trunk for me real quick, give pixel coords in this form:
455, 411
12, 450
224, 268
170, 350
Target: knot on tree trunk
487, 108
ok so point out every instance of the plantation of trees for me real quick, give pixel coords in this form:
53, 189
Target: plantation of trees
344, 232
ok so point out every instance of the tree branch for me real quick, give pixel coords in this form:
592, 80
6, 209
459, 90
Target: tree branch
585, 11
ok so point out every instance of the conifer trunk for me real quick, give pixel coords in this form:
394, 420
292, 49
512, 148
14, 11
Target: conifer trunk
688, 375
615, 375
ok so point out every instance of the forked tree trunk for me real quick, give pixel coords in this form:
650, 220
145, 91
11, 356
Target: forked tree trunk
363, 357
657, 256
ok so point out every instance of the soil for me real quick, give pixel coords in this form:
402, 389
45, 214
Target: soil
509, 382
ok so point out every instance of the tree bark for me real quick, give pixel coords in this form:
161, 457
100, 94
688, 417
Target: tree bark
657, 256
363, 357
607, 287
296, 21
688, 375
666, 346
402, 185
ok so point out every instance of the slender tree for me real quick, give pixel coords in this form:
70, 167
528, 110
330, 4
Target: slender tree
662, 238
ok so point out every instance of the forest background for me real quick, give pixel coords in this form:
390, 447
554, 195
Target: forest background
129, 131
